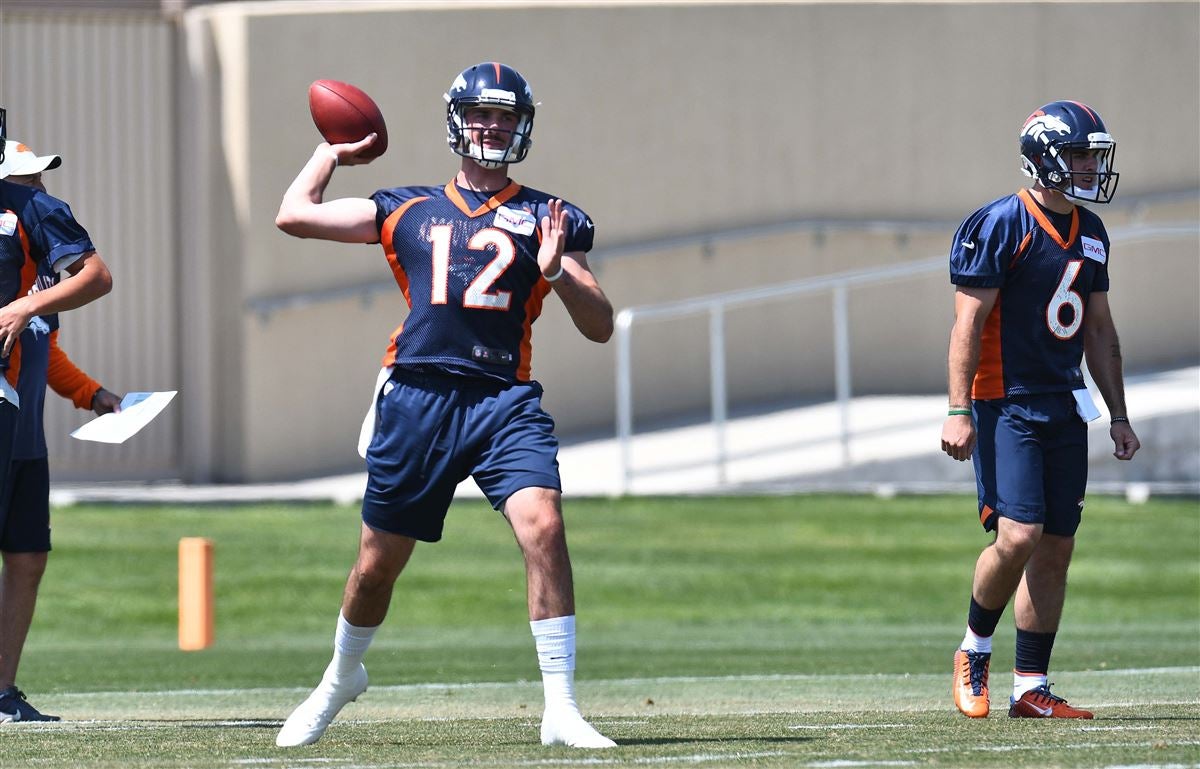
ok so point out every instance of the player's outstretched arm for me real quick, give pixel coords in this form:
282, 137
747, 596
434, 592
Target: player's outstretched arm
89, 280
585, 301
303, 213
1102, 349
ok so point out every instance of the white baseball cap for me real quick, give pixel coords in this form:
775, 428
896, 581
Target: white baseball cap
19, 160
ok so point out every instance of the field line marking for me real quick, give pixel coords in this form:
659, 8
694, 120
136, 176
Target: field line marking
1075, 746
776, 677
819, 727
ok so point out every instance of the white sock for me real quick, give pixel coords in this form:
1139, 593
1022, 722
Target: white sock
1023, 682
976, 643
555, 642
350, 643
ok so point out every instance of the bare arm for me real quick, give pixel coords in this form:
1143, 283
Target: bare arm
578, 288
303, 213
971, 309
89, 280
1102, 349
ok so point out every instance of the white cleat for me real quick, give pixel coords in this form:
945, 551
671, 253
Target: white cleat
567, 727
309, 720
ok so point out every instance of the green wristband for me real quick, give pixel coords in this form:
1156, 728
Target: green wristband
958, 413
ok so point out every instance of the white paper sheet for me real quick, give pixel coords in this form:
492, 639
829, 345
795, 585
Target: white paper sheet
1084, 405
137, 411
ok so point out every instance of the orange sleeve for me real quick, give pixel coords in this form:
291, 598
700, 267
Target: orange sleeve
67, 379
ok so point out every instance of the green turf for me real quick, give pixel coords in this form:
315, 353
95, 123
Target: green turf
840, 608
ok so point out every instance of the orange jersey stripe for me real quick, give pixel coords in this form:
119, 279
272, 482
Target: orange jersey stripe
533, 308
401, 277
989, 375
1036, 212
494, 202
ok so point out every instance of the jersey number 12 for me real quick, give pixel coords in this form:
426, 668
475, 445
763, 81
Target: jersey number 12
479, 294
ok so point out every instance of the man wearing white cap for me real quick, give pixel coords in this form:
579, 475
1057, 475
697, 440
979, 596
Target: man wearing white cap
19, 160
39, 238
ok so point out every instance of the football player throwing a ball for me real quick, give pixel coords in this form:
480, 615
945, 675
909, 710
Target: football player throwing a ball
474, 258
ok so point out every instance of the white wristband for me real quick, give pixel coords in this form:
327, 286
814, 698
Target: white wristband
555, 276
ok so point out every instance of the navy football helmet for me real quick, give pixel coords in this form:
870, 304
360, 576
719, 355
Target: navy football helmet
1062, 126
494, 85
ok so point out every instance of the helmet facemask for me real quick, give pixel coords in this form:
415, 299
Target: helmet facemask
459, 132
1054, 172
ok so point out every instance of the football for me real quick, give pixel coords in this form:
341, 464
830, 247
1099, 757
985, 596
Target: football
344, 113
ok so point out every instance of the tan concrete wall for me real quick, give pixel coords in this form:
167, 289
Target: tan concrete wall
665, 121
662, 121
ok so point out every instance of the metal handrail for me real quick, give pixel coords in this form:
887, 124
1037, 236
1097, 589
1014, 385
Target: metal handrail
838, 283
266, 306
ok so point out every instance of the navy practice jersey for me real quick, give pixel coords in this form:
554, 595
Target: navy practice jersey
1032, 340
469, 273
38, 238
31, 386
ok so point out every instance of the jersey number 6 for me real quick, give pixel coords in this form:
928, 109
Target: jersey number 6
1064, 296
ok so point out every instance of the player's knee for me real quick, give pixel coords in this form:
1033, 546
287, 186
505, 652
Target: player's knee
372, 577
1017, 541
541, 530
1054, 554
25, 567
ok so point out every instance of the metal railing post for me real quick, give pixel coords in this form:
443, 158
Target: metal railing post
625, 400
841, 357
718, 390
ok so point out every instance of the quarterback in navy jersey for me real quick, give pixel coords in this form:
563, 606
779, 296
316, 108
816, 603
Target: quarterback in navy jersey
474, 258
1031, 303
39, 238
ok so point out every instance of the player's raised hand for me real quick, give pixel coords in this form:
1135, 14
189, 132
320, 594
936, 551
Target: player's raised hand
554, 239
351, 154
1125, 441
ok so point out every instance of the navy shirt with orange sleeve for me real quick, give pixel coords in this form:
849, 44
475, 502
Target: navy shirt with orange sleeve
39, 237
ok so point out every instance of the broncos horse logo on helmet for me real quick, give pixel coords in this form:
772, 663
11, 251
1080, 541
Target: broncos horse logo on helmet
1058, 128
490, 84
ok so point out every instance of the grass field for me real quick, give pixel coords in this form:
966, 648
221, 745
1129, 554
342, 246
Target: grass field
807, 631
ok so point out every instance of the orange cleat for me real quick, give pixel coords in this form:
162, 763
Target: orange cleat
1040, 703
971, 683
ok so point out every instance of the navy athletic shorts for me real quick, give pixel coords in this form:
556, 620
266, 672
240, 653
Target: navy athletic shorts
433, 430
25, 507
1031, 461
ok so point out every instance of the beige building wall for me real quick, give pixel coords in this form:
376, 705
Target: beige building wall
98, 89
782, 129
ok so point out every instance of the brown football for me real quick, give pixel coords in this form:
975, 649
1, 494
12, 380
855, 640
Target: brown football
344, 113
